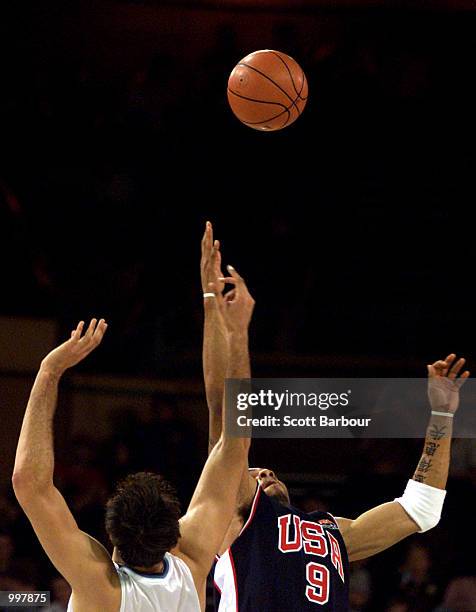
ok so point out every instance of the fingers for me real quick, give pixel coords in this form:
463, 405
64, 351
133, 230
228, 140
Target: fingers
99, 331
217, 270
449, 367
215, 248
233, 279
76, 334
449, 360
90, 331
215, 253
230, 296
207, 239
234, 274
453, 373
441, 366
462, 379
94, 334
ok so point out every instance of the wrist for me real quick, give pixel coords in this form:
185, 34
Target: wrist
442, 413
50, 371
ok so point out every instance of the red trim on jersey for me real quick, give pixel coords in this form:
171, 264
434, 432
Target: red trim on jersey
336, 556
234, 577
253, 509
217, 587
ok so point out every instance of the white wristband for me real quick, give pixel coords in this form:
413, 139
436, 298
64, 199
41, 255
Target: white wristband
445, 414
207, 295
423, 504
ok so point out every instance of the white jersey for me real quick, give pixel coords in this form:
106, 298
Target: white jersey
171, 591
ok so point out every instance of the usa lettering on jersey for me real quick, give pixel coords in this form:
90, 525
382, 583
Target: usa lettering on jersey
314, 541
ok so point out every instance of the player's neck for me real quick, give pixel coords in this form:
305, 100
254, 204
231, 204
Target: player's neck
158, 568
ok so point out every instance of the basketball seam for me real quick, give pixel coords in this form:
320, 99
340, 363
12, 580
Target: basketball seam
269, 79
286, 109
289, 116
259, 101
291, 77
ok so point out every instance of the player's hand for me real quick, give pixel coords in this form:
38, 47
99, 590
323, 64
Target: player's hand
236, 306
210, 263
76, 348
444, 383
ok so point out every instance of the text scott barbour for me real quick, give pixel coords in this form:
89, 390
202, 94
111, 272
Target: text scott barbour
309, 421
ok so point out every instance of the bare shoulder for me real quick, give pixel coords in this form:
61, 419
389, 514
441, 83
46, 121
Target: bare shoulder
247, 494
184, 550
100, 555
344, 524
103, 592
96, 602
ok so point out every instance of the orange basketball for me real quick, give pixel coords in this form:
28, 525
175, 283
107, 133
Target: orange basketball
267, 90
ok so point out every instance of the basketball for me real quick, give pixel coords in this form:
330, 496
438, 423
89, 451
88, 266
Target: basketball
267, 90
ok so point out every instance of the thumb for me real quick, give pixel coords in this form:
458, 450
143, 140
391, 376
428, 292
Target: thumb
233, 272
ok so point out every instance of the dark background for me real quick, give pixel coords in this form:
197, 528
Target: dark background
353, 227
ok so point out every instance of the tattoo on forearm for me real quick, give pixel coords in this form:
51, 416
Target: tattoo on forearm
437, 433
432, 468
431, 448
424, 465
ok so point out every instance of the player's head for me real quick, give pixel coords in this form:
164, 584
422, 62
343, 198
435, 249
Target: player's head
142, 519
271, 485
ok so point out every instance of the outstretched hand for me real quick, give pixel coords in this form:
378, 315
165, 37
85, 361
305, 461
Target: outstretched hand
76, 348
236, 306
444, 383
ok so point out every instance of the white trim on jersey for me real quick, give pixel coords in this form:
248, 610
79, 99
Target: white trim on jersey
172, 591
224, 575
225, 582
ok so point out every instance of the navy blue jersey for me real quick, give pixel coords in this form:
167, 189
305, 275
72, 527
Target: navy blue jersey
284, 560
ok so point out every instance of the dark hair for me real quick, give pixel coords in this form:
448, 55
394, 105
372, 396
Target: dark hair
142, 519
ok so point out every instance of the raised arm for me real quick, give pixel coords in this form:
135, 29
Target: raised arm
213, 504
215, 342
419, 508
79, 558
216, 351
